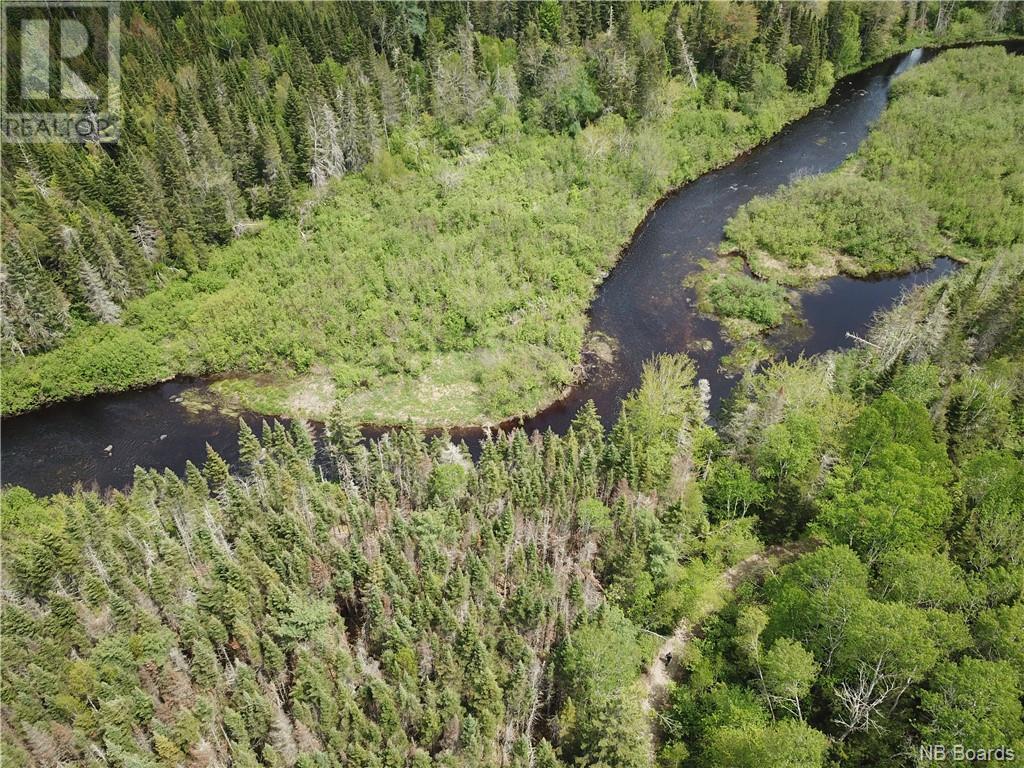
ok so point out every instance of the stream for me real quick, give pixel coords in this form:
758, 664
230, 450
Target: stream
642, 307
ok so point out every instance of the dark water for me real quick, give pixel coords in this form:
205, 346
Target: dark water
642, 306
859, 299
52, 449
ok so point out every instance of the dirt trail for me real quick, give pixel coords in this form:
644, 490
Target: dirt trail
659, 672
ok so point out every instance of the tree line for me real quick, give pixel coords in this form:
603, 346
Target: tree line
233, 110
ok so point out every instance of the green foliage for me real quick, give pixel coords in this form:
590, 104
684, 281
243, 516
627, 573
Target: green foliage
739, 296
832, 223
906, 195
789, 670
975, 702
646, 436
467, 586
892, 493
786, 744
470, 185
967, 170
602, 657
844, 36
513, 237
603, 720
904, 626
731, 489
424, 606
903, 198
426, 611
1000, 632
785, 427
923, 578
447, 482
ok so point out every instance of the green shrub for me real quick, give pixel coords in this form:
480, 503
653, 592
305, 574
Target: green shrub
744, 297
917, 188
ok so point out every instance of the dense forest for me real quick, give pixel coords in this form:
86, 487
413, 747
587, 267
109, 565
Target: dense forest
402, 207
423, 609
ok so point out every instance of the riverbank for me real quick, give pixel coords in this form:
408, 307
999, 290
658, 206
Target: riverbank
917, 189
424, 290
513, 239
639, 312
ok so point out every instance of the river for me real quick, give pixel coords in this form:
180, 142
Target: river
642, 307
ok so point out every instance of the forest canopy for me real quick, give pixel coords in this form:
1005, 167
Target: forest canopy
828, 573
362, 199
424, 609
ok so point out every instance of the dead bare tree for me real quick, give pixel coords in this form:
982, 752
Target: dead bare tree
862, 701
997, 15
944, 17
328, 159
687, 58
